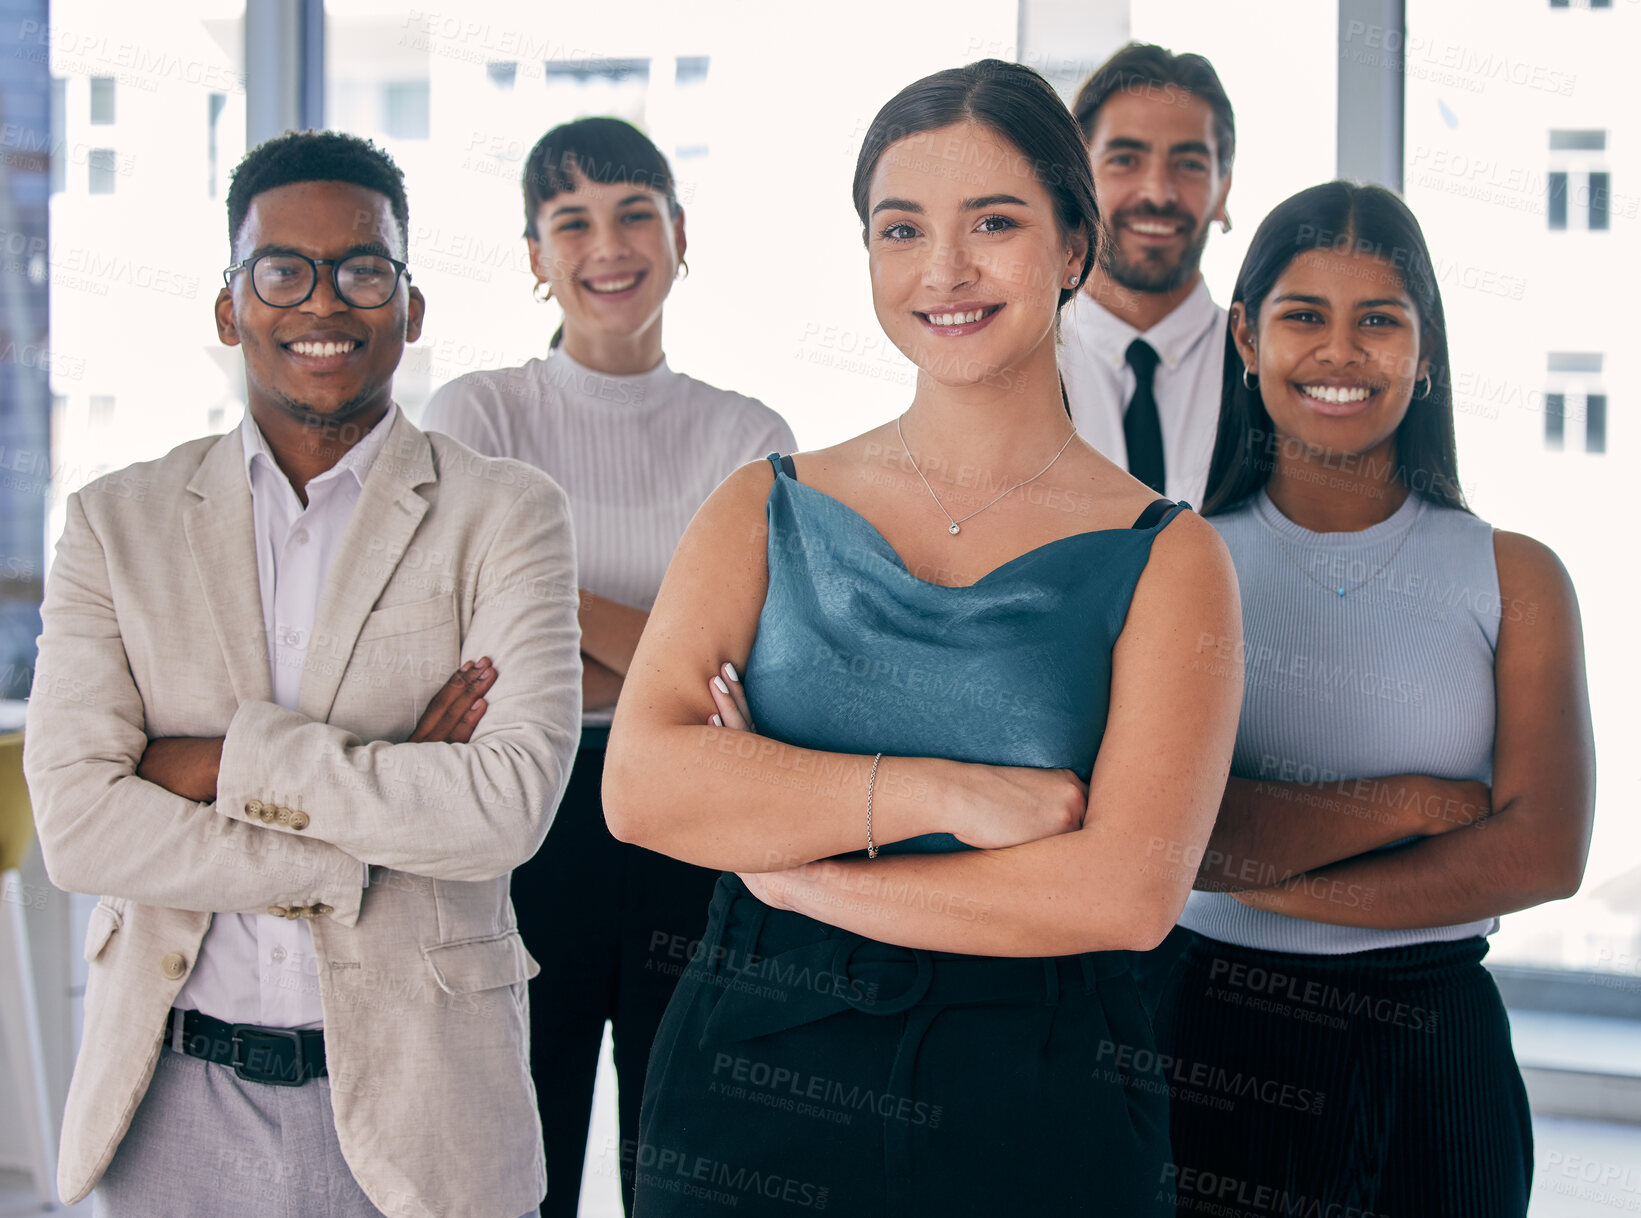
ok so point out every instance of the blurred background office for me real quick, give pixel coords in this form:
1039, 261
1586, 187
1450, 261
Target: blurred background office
1510, 126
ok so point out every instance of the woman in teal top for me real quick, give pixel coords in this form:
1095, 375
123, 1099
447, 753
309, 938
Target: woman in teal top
973, 641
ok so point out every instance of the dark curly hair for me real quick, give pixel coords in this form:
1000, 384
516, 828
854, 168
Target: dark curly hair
316, 156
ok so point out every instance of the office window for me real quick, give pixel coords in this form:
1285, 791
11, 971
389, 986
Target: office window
1556, 209
101, 413
1579, 183
1575, 394
215, 103
59, 123
1578, 141
1555, 421
405, 109
102, 100
100, 169
504, 75
1600, 201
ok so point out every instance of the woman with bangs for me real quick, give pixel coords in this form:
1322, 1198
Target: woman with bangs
637, 448
1413, 760
975, 737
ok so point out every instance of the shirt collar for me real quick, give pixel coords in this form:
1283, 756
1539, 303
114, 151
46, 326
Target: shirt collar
1173, 338
356, 461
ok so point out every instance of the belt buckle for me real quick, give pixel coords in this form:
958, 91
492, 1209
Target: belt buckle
904, 1001
238, 1033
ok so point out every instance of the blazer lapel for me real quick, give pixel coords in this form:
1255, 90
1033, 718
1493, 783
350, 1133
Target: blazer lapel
387, 515
222, 538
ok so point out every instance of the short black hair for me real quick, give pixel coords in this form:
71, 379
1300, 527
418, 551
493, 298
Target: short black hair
316, 156
1144, 65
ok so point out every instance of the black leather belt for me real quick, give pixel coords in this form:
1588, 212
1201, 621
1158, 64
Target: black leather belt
280, 1057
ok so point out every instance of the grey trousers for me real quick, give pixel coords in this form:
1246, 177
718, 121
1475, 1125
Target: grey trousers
206, 1144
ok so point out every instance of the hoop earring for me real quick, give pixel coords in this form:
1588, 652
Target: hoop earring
1419, 397
536, 291
1225, 223
683, 269
1249, 381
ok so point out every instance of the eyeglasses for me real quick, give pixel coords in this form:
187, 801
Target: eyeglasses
363, 281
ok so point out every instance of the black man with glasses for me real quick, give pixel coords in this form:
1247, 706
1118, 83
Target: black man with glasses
306, 694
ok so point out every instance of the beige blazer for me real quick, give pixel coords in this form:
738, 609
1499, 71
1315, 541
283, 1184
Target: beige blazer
153, 627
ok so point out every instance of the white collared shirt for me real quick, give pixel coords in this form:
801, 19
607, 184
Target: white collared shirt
1190, 345
256, 968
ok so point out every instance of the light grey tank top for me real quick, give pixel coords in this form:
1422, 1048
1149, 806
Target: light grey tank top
1395, 676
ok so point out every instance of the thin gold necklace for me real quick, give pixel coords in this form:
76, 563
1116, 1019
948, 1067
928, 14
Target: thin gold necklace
957, 521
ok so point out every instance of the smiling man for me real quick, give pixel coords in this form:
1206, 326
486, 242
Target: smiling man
1142, 350
297, 719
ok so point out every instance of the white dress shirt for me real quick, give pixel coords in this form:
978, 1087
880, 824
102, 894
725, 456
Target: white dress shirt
1190, 345
256, 968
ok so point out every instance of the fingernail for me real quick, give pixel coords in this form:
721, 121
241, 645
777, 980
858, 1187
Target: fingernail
717, 721
479, 704
730, 669
467, 665
719, 682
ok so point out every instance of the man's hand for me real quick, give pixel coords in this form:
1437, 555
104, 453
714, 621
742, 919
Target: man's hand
183, 765
458, 706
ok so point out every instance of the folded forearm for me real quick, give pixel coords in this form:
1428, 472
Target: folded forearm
449, 811
109, 834
1496, 867
1268, 832
1053, 897
736, 801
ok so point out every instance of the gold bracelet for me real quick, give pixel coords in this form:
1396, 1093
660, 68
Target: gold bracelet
871, 782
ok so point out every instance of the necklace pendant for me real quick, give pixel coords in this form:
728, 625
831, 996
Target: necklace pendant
1341, 591
954, 530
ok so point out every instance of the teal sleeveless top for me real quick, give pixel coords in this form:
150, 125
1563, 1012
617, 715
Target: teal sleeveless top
855, 654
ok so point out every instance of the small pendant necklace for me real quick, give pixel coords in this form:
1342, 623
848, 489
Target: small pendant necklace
957, 522
1339, 589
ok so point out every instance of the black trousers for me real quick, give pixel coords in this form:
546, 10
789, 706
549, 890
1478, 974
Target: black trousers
612, 926
803, 1068
1377, 1083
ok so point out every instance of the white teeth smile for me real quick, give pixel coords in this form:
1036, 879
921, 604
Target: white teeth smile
1328, 393
1153, 229
612, 285
955, 319
323, 348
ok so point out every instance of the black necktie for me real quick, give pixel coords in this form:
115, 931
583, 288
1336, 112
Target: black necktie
1140, 426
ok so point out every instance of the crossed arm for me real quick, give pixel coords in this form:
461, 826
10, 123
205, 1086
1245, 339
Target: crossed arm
435, 807
1480, 853
1056, 876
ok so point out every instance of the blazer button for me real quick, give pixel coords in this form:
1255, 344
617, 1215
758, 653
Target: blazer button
295, 912
278, 911
322, 909
283, 816
174, 965
299, 820
253, 807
